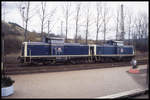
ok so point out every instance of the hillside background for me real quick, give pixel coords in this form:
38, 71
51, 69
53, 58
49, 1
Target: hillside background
14, 36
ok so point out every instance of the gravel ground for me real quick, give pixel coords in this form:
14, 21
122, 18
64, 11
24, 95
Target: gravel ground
78, 84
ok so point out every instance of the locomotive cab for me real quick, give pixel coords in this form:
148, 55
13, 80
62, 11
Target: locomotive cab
115, 43
126, 51
56, 45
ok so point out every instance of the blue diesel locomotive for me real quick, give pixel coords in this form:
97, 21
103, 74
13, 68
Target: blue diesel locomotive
53, 50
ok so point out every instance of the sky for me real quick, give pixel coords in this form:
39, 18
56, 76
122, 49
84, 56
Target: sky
13, 15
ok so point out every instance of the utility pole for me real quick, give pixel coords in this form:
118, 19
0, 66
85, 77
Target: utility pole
122, 25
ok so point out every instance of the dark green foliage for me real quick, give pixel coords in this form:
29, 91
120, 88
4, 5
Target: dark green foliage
6, 81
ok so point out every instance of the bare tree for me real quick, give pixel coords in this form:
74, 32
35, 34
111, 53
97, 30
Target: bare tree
89, 22
61, 31
66, 9
136, 30
49, 18
98, 19
79, 38
145, 25
42, 18
26, 20
129, 27
140, 40
45, 16
77, 19
24, 9
129, 21
106, 19
87, 25
21, 8
138, 22
143, 28
141, 25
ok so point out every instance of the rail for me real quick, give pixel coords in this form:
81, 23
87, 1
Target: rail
24, 69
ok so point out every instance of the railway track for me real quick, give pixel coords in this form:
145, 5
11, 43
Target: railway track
13, 69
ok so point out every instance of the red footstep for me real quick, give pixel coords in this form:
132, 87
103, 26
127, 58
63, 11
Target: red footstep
134, 71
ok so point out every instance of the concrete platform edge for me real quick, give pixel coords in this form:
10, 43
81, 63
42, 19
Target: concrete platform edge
125, 94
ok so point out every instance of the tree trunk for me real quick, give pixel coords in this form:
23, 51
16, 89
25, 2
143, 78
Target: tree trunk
27, 18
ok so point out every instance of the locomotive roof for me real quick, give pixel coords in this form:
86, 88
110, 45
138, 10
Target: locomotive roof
71, 43
75, 44
107, 45
55, 38
114, 41
43, 43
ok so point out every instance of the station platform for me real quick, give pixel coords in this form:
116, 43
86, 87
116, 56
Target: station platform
92, 83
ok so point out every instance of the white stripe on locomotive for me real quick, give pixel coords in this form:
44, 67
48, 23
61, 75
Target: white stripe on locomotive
25, 49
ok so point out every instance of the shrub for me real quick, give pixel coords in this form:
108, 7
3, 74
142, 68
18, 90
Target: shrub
6, 81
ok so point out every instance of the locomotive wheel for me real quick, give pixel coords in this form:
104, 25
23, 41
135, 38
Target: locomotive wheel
98, 59
111, 60
82, 61
102, 60
33, 63
53, 62
73, 61
86, 60
90, 60
78, 61
45, 63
